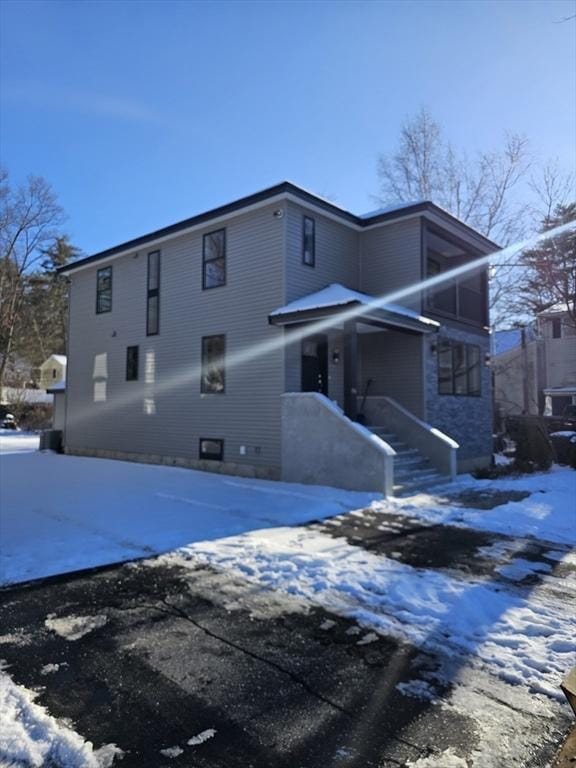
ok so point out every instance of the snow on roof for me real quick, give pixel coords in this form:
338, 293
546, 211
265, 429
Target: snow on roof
59, 359
390, 208
338, 295
560, 307
560, 390
59, 386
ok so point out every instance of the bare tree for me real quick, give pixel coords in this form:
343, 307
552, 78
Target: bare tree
500, 193
479, 191
29, 218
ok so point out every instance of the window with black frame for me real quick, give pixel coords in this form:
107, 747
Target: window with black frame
104, 290
211, 449
214, 259
153, 294
213, 370
309, 241
132, 363
459, 368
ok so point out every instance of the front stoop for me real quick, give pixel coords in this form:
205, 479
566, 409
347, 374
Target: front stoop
413, 472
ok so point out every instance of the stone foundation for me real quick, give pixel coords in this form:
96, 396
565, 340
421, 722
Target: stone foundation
218, 467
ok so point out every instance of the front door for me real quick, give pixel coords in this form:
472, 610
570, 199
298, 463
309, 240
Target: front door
315, 364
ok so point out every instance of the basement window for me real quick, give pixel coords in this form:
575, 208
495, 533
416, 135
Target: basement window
211, 449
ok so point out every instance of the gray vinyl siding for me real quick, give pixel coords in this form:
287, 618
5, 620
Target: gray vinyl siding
393, 361
391, 258
336, 254
247, 414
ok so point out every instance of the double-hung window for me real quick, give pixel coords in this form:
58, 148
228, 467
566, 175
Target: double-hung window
214, 259
104, 290
153, 294
213, 371
309, 241
459, 368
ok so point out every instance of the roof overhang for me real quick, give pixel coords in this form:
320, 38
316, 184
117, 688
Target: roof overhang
375, 317
285, 191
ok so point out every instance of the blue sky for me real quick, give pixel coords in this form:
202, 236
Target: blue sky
144, 113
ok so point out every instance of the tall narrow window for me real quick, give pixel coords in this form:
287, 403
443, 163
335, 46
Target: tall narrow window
473, 369
213, 371
445, 370
104, 290
131, 363
153, 294
214, 259
309, 241
557, 328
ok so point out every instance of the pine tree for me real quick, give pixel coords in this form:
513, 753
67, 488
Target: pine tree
45, 314
549, 271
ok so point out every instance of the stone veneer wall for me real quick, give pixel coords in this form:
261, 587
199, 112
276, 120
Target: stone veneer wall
468, 420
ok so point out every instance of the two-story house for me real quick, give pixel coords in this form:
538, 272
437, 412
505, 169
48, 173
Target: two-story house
535, 367
253, 338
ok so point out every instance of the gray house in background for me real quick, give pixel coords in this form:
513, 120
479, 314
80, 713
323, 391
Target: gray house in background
535, 367
248, 340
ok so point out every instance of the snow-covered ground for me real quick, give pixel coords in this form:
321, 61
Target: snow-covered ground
64, 513
31, 737
549, 513
12, 441
501, 645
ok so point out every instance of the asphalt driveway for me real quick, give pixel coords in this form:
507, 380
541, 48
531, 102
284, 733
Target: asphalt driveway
165, 660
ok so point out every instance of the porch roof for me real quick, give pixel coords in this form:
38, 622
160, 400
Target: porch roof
333, 300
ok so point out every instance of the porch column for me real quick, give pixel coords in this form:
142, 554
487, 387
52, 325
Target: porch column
350, 347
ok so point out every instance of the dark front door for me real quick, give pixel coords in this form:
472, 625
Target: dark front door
315, 364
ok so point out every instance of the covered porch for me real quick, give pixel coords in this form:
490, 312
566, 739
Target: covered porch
354, 404
353, 349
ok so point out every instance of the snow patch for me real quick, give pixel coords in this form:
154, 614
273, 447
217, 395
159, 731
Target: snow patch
75, 627
209, 733
30, 736
171, 751
448, 759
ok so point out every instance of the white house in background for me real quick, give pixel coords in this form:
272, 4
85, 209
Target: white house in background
535, 367
52, 371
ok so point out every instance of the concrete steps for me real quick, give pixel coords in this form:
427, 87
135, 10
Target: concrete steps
413, 472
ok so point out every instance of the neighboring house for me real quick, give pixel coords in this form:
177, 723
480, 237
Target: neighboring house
220, 342
53, 371
535, 367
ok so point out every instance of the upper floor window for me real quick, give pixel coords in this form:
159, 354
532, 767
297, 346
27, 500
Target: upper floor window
459, 369
153, 294
104, 290
213, 371
557, 328
464, 298
309, 241
214, 259
132, 363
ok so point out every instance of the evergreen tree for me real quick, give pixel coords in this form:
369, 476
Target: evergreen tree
549, 274
45, 314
